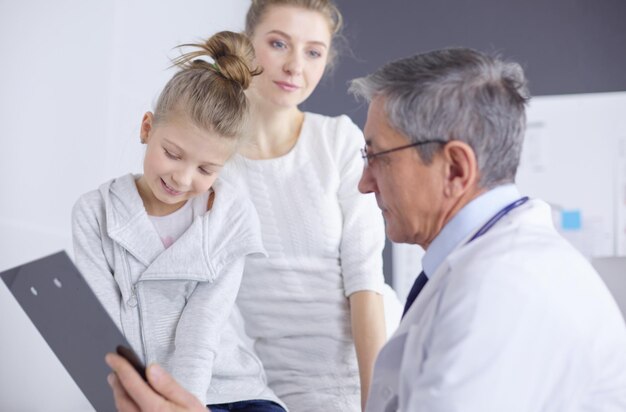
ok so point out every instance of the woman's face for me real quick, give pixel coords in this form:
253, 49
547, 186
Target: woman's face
291, 45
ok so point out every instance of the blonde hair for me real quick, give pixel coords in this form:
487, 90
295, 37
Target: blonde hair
327, 8
211, 94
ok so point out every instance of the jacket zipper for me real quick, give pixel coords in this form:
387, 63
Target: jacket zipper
142, 335
134, 297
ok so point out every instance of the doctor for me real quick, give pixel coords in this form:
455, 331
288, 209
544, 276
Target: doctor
506, 315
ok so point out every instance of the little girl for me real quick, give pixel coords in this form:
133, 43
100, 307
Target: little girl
164, 251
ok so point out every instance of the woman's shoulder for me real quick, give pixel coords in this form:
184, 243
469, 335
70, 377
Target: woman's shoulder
342, 137
331, 124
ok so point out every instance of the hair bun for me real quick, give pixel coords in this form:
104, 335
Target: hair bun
232, 53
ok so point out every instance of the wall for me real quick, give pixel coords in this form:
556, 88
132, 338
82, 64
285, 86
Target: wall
572, 158
565, 46
76, 78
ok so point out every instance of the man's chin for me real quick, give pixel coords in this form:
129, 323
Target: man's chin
393, 234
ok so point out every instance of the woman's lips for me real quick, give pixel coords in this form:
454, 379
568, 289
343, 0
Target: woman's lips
289, 87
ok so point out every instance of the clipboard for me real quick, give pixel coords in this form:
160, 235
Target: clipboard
72, 321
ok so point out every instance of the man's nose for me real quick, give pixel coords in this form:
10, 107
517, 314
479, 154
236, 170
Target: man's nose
366, 183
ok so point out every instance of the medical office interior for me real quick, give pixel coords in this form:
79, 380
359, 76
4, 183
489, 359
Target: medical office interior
77, 76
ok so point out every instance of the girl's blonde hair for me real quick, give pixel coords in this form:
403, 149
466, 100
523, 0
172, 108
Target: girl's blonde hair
211, 94
327, 8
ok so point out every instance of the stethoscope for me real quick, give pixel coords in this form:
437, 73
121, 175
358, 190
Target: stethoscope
494, 219
421, 280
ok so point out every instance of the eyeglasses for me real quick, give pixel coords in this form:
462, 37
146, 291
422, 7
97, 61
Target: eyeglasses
367, 157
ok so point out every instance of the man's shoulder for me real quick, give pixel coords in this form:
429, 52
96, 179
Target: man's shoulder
523, 251
523, 234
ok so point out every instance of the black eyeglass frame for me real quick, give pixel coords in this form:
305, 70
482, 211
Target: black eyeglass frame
367, 157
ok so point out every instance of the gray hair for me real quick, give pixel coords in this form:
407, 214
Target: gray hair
456, 94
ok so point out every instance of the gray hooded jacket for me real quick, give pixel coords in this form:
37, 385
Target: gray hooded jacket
174, 305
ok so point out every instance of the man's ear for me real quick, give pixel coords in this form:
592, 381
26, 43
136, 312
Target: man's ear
461, 168
146, 127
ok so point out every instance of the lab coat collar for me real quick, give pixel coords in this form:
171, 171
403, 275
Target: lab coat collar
534, 212
465, 223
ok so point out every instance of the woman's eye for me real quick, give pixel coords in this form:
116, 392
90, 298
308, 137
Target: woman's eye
315, 53
277, 44
205, 171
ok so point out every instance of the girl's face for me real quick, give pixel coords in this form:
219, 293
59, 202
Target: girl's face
291, 45
182, 161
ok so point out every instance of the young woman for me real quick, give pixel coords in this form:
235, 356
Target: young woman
314, 306
164, 251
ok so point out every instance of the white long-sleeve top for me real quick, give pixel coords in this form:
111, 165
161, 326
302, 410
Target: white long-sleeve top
324, 240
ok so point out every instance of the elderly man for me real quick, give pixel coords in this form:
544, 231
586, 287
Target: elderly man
505, 316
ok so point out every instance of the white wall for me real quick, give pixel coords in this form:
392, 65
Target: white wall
571, 159
75, 79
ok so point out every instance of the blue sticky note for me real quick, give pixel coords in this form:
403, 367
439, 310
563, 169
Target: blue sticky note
571, 220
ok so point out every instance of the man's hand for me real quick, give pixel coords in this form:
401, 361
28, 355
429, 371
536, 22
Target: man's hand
132, 394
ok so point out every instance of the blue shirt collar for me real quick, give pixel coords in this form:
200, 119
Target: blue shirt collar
465, 222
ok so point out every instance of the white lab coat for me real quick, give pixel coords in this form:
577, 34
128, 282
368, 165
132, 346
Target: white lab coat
514, 321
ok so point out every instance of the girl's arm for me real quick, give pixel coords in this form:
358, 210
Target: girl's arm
89, 252
200, 326
368, 331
